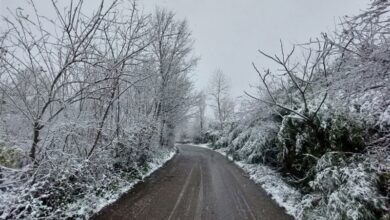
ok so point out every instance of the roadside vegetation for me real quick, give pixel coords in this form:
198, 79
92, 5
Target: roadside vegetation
321, 120
89, 103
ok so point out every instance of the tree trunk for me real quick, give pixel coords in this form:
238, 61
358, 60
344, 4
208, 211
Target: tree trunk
36, 132
201, 124
117, 130
162, 140
220, 113
101, 124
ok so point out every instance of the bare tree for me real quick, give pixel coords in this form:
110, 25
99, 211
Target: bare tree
88, 94
47, 61
124, 38
171, 49
201, 105
300, 77
219, 88
291, 92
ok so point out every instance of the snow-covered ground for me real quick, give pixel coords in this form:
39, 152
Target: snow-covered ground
202, 146
157, 163
91, 202
285, 195
101, 202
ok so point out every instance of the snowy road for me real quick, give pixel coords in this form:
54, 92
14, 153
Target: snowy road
196, 184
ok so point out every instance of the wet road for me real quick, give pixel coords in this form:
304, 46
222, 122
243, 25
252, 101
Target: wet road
197, 183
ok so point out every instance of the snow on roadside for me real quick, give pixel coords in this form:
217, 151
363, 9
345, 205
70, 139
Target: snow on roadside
202, 146
286, 196
158, 162
93, 203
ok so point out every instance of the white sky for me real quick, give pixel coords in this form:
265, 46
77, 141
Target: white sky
228, 33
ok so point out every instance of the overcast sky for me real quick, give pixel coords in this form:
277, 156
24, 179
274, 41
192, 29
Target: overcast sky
228, 33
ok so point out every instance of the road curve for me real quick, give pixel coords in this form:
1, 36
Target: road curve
197, 183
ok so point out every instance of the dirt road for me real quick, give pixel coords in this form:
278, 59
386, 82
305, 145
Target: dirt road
196, 184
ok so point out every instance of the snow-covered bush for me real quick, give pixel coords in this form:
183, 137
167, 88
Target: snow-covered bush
344, 188
10, 156
51, 191
300, 141
222, 138
330, 119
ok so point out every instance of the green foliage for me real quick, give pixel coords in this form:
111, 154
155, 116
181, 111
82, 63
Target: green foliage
198, 139
10, 157
346, 187
205, 137
301, 142
210, 136
345, 135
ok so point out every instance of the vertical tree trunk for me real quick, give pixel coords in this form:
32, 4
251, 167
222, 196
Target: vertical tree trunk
220, 112
102, 121
201, 124
162, 139
36, 132
118, 113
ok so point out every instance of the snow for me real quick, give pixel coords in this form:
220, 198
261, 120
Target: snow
224, 151
89, 203
154, 165
202, 146
385, 117
285, 195
159, 162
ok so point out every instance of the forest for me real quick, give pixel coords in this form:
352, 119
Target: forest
93, 102
88, 103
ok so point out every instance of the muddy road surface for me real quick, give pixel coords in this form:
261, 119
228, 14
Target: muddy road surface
197, 183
